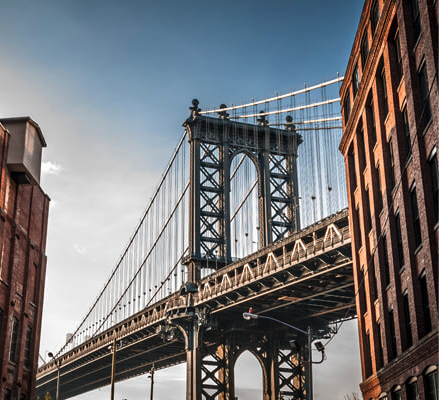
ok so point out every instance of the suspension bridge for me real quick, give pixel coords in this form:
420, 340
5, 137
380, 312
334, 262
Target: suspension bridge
250, 212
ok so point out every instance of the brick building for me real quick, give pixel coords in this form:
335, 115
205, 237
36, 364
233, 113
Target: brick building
389, 103
23, 224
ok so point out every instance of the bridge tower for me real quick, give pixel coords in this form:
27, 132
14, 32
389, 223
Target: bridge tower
214, 142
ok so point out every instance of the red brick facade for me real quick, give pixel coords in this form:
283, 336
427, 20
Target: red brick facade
23, 225
389, 98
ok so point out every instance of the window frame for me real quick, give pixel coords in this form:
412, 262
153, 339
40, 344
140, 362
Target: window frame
415, 215
375, 16
364, 53
355, 79
434, 175
424, 91
13, 340
397, 43
385, 100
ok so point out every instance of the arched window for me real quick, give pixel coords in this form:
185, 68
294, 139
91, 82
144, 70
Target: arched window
244, 206
430, 383
396, 393
411, 388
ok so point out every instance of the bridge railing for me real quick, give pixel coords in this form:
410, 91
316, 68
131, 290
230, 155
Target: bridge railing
299, 249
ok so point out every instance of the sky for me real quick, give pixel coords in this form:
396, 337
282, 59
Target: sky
110, 83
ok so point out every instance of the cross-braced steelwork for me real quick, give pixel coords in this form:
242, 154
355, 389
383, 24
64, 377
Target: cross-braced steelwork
216, 141
232, 224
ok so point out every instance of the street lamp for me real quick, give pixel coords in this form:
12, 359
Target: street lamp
113, 367
58, 365
249, 315
151, 372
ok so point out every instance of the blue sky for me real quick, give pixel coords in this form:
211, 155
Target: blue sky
110, 83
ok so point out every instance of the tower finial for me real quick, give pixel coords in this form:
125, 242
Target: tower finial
195, 110
289, 126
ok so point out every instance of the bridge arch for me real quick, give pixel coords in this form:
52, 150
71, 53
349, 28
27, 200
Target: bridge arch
250, 360
245, 213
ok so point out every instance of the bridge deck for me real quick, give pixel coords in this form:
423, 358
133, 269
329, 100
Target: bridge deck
305, 279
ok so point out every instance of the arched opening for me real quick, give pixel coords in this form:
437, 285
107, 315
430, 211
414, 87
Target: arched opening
244, 215
248, 377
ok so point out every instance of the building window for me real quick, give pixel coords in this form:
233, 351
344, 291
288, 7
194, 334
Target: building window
358, 227
373, 128
380, 362
352, 168
364, 49
374, 279
346, 108
384, 87
396, 393
355, 79
374, 16
14, 338
367, 211
392, 335
431, 387
368, 355
406, 128
398, 56
1, 322
415, 216
380, 193
425, 303
392, 164
432, 164
361, 149
425, 96
399, 240
362, 291
416, 16
27, 347
386, 262
407, 322
412, 389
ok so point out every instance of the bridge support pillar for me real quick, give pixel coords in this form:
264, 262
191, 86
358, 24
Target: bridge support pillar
211, 370
193, 362
284, 372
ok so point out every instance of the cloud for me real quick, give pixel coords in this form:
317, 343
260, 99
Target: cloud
50, 168
79, 249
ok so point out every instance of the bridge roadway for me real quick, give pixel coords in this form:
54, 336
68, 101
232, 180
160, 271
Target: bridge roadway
305, 279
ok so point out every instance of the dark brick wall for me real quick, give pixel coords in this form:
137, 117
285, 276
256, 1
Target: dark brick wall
23, 226
383, 372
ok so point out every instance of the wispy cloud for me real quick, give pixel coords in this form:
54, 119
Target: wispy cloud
79, 249
50, 168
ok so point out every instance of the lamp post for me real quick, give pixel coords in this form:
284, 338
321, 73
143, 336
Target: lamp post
250, 315
57, 364
113, 367
151, 372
